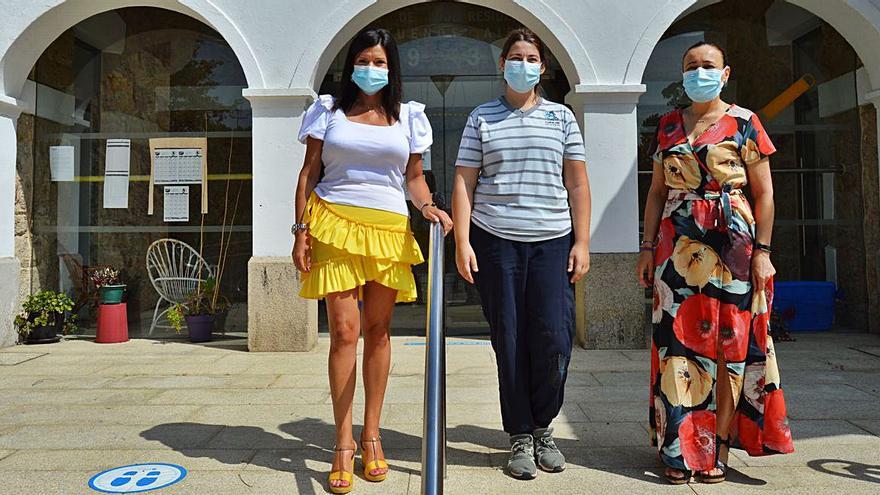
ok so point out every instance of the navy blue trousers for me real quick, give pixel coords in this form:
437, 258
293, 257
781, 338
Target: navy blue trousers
529, 304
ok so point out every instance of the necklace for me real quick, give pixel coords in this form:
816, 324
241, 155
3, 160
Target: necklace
701, 125
698, 120
703, 118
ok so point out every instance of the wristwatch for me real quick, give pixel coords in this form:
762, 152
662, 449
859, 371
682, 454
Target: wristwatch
297, 227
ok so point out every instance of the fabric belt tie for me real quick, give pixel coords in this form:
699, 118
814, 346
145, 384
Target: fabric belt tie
722, 196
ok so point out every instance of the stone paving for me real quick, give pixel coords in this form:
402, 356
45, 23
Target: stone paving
262, 423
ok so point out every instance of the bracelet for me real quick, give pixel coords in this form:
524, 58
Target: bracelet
763, 247
426, 204
298, 227
651, 244
646, 249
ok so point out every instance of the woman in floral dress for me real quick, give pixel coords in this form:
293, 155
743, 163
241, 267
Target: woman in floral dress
714, 379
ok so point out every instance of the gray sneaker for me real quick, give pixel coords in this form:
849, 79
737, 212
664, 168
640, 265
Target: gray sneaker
521, 464
548, 456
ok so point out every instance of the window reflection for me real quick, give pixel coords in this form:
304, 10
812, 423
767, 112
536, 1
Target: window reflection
817, 170
133, 73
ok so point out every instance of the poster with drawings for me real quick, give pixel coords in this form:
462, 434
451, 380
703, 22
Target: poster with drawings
177, 166
176, 204
177, 161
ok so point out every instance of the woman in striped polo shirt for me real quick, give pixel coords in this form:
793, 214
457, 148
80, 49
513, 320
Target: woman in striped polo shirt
521, 210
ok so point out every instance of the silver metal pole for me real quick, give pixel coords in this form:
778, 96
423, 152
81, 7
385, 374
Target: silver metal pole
434, 432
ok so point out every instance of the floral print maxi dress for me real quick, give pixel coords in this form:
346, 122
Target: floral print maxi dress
703, 292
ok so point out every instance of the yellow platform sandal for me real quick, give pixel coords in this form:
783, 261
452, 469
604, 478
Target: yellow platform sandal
375, 463
342, 475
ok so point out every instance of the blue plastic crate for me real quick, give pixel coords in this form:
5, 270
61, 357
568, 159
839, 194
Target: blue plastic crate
805, 306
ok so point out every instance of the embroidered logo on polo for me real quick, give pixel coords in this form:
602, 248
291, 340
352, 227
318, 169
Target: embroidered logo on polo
551, 119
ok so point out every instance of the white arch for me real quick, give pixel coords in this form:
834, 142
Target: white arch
45, 27
534, 14
658, 25
858, 21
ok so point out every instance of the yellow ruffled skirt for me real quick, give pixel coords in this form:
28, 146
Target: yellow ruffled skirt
352, 246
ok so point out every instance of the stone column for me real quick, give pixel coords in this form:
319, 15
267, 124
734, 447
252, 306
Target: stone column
9, 264
278, 319
871, 198
611, 304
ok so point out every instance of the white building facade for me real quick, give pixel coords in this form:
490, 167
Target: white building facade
286, 52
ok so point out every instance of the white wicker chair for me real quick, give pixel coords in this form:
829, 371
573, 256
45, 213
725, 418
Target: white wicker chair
175, 270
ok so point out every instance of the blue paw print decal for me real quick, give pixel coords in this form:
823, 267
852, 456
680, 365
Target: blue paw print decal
137, 478
123, 479
149, 479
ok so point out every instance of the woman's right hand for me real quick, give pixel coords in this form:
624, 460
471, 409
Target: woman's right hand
302, 251
645, 268
466, 261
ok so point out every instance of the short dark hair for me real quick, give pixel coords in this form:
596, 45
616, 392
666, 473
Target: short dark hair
707, 43
393, 92
527, 35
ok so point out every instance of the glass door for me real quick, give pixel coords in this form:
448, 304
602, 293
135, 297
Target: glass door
818, 170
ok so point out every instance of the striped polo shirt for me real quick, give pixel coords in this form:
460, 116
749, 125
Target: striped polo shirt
520, 194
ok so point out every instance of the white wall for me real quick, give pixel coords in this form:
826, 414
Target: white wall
603, 46
8, 117
285, 46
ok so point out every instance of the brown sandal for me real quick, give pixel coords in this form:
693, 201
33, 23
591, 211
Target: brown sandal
687, 474
719, 464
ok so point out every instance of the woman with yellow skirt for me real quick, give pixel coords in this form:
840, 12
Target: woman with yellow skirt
353, 240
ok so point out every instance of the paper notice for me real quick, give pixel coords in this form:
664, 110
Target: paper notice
178, 161
117, 167
61, 163
176, 204
178, 166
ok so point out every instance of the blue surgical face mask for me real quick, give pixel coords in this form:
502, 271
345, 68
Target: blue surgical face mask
522, 76
702, 85
370, 79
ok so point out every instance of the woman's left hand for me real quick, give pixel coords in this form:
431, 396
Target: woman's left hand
434, 215
762, 269
579, 261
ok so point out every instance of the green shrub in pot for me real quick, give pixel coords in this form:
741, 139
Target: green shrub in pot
43, 315
107, 282
199, 311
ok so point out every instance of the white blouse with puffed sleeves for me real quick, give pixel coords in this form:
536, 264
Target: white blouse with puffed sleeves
365, 165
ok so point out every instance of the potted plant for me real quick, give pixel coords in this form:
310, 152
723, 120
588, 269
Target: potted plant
200, 311
107, 282
207, 303
43, 316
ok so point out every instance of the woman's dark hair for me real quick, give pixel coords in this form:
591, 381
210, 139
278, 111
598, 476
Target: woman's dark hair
707, 43
393, 92
527, 35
